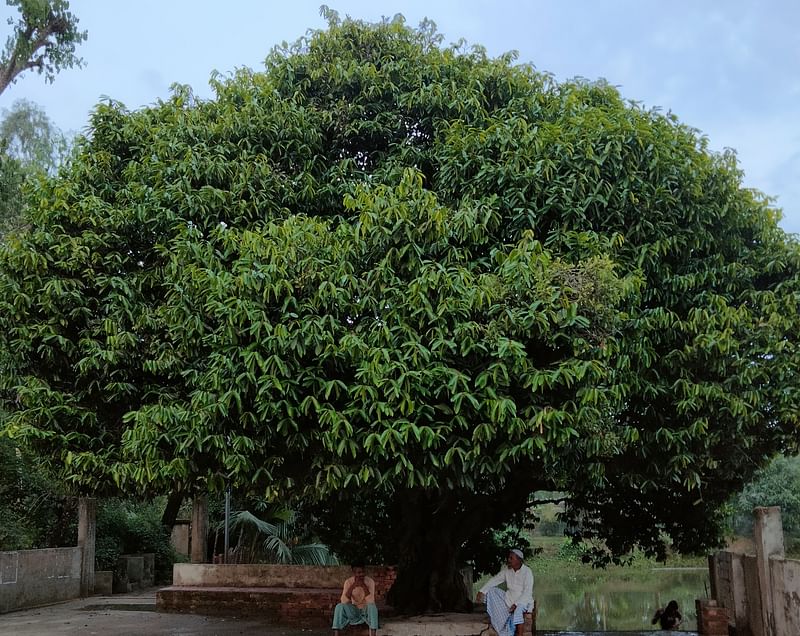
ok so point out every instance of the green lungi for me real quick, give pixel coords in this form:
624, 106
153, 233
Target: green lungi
348, 614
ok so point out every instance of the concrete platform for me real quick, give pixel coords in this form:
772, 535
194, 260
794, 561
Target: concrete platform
437, 625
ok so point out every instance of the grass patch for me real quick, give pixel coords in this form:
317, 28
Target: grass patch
556, 560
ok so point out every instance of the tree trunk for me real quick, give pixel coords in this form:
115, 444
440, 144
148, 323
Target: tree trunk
172, 508
428, 576
435, 525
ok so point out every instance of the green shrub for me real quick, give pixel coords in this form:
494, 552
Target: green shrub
133, 527
777, 484
548, 520
34, 511
571, 551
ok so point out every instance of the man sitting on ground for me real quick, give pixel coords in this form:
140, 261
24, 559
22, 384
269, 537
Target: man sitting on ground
357, 604
506, 608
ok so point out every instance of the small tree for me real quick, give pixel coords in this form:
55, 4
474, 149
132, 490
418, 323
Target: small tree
31, 146
777, 484
32, 138
44, 38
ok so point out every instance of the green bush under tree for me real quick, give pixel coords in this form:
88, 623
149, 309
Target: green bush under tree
133, 527
35, 512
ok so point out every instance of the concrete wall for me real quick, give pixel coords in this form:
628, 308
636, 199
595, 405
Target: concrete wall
785, 574
35, 577
723, 582
133, 572
104, 582
258, 575
180, 537
749, 622
739, 591
761, 592
270, 575
730, 588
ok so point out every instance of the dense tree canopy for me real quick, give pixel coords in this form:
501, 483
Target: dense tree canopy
389, 267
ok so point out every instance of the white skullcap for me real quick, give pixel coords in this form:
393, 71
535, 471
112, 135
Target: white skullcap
518, 552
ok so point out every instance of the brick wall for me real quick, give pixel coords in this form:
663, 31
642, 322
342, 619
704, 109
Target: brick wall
297, 604
712, 620
301, 609
384, 576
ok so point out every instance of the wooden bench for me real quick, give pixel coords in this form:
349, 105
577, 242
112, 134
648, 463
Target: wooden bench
529, 624
530, 620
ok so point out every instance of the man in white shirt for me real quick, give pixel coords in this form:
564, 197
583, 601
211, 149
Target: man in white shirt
506, 608
357, 604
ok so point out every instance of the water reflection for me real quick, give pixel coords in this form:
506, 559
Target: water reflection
605, 601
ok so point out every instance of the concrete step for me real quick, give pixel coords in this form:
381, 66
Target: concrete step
438, 625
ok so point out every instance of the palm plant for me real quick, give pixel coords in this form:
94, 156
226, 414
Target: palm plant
269, 534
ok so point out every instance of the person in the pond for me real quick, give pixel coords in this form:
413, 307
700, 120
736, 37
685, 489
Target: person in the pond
357, 604
506, 608
668, 617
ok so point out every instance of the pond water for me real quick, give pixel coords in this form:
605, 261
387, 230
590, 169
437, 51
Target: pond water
621, 600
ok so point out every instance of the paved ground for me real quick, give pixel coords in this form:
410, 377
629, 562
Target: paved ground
135, 615
132, 614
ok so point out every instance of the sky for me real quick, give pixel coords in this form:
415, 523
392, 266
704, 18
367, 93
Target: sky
730, 68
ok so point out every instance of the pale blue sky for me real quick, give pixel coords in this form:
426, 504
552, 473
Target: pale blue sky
730, 68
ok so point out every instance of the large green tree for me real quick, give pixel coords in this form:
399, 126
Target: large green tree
43, 39
390, 269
